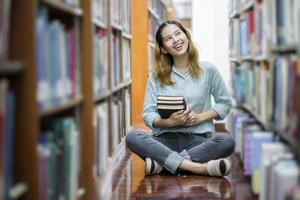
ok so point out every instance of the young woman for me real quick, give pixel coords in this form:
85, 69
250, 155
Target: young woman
186, 140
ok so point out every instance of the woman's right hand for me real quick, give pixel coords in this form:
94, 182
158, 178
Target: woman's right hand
179, 118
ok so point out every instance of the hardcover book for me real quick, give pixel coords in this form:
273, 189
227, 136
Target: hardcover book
166, 105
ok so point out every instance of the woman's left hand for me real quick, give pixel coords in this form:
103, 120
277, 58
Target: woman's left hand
194, 118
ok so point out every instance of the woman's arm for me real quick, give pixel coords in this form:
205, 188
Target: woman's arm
221, 97
150, 112
220, 93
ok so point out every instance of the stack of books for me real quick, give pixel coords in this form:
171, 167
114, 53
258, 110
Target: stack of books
166, 105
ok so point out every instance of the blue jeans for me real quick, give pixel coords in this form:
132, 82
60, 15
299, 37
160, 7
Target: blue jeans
170, 149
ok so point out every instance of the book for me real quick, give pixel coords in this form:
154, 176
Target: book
166, 105
4, 29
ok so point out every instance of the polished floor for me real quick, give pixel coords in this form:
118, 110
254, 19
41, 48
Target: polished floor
127, 181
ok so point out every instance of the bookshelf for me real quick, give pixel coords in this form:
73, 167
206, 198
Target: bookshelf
69, 67
265, 60
146, 16
157, 13
9, 68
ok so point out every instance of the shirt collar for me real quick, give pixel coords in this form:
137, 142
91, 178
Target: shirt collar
184, 75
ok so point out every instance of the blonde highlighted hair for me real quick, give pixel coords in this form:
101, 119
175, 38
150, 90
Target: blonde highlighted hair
163, 62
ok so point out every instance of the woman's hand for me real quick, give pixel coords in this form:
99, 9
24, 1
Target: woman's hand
179, 118
193, 119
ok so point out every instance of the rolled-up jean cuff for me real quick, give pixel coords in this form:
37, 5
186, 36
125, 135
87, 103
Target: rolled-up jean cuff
185, 154
173, 161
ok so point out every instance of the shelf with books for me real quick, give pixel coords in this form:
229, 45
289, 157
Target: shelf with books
99, 23
9, 68
265, 85
121, 86
234, 14
115, 83
62, 107
157, 13
126, 35
260, 58
266, 126
236, 60
248, 5
153, 13
247, 58
50, 51
292, 48
64, 7
102, 96
117, 26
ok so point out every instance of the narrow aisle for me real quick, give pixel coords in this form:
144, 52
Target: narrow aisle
127, 181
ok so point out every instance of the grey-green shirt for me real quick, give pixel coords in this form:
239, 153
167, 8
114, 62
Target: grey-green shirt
197, 93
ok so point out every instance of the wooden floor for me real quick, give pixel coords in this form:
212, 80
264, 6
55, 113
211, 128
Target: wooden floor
127, 181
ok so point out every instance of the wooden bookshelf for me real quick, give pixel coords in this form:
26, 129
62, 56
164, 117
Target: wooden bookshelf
267, 75
102, 96
117, 33
273, 51
10, 68
29, 118
99, 24
61, 108
63, 7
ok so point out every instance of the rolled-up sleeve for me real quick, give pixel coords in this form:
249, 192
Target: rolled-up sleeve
150, 112
220, 93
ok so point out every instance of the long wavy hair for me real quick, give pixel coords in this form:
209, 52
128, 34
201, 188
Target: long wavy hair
163, 62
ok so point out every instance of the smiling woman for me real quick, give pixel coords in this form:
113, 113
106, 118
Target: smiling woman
185, 140
174, 44
174, 40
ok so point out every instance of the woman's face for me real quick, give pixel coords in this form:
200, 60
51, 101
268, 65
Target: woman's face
174, 40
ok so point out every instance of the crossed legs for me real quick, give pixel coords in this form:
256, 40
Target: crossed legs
178, 153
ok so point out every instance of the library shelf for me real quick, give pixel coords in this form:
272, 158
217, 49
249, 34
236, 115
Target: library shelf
256, 116
63, 7
117, 26
260, 58
120, 86
291, 48
153, 13
267, 126
236, 60
102, 96
62, 107
248, 6
267, 81
99, 23
234, 14
126, 35
9, 68
127, 83
247, 58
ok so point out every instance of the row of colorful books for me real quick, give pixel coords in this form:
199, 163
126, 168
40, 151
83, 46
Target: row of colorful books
269, 90
59, 159
255, 31
7, 106
58, 60
120, 112
270, 163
